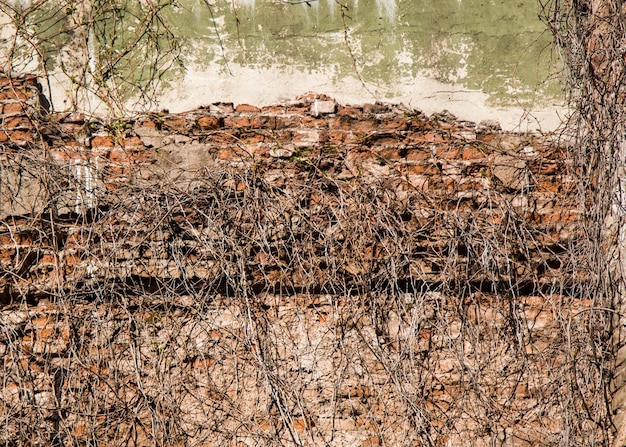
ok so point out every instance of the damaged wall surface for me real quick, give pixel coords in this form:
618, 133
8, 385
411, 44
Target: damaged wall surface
305, 273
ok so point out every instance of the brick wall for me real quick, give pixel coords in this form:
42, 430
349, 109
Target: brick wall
307, 273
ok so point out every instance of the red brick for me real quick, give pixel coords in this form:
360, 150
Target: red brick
247, 108
133, 142
309, 121
20, 135
423, 169
397, 124
255, 122
340, 122
204, 362
75, 240
471, 185
375, 108
228, 154
486, 137
176, 124
361, 153
71, 128
282, 136
548, 168
119, 155
48, 258
14, 94
102, 142
472, 153
353, 138
313, 95
73, 259
425, 137
549, 184
391, 154
366, 125
258, 150
147, 123
286, 121
299, 109
17, 122
209, 123
14, 239
336, 136
415, 154
13, 108
383, 140
273, 110
7, 253
374, 441
349, 111
447, 152
254, 137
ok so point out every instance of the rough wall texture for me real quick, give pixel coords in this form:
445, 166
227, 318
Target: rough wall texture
302, 274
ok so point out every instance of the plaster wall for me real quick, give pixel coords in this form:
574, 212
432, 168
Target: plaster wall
478, 59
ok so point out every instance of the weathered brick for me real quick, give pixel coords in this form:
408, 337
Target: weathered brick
415, 154
15, 94
254, 137
229, 154
349, 110
375, 108
447, 152
472, 153
277, 109
209, 123
392, 154
425, 137
364, 125
13, 108
16, 122
255, 122
306, 137
545, 168
246, 108
21, 136
549, 184
102, 141
423, 169
336, 136
287, 121
343, 159
7, 253
309, 121
119, 155
176, 124
340, 122
397, 124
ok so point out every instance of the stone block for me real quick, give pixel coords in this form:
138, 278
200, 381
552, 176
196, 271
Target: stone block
222, 107
323, 107
302, 138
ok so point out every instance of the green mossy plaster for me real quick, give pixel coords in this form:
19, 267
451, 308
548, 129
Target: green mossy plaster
496, 46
